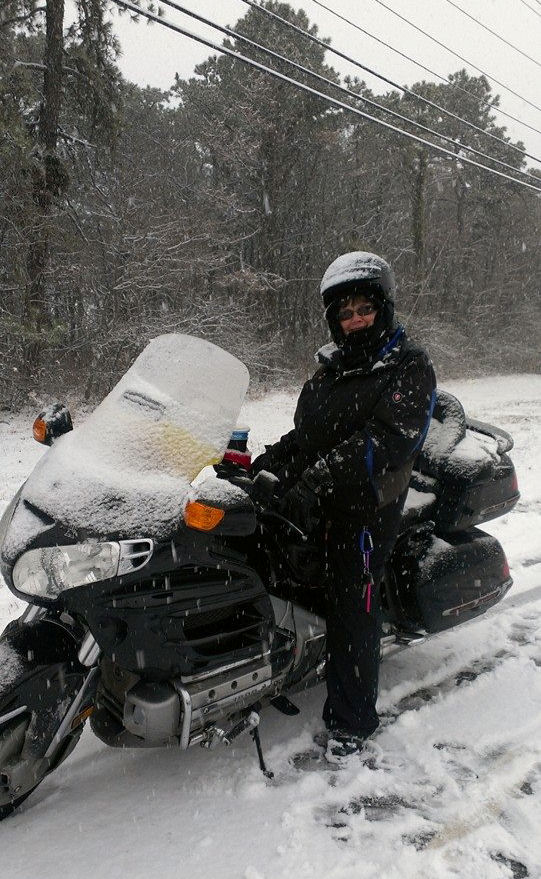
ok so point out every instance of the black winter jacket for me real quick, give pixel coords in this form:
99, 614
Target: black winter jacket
367, 422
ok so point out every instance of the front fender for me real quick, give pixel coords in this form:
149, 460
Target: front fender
45, 694
39, 673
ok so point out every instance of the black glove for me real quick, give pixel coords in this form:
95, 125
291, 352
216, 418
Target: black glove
265, 488
302, 503
262, 462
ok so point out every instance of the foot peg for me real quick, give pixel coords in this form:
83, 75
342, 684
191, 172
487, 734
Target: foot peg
250, 723
410, 638
284, 706
247, 724
217, 736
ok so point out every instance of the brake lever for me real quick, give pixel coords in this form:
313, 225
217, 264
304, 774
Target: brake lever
273, 515
261, 493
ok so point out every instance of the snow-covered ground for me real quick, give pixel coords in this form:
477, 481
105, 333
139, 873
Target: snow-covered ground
454, 789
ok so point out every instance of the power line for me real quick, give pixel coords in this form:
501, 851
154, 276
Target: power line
535, 12
282, 58
402, 88
490, 31
452, 85
305, 88
452, 51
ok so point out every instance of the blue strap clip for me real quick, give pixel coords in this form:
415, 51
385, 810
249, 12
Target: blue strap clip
366, 545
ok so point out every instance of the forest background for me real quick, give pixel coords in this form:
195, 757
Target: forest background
214, 208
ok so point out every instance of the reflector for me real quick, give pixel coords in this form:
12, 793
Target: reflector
201, 516
244, 459
80, 718
39, 430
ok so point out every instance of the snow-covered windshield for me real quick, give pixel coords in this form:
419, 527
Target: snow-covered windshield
128, 468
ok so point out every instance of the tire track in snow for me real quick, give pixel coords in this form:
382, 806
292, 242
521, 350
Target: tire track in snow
518, 634
521, 768
490, 805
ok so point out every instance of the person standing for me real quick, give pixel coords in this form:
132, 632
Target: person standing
359, 424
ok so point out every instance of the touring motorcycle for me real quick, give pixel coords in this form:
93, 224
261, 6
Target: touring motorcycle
168, 602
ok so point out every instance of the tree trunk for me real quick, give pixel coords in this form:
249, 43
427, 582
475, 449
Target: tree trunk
418, 219
48, 179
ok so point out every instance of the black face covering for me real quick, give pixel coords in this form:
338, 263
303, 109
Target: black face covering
362, 346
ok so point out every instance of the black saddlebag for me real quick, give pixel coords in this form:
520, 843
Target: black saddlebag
461, 501
435, 584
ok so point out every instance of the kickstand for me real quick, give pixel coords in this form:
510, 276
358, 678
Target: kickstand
266, 772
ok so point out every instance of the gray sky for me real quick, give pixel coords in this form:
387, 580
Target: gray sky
152, 55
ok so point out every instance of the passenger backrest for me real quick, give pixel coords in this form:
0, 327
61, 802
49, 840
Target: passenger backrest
452, 450
447, 429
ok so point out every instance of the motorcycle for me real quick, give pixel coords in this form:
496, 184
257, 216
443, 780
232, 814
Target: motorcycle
168, 603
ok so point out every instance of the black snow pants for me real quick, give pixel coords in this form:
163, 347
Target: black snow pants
353, 634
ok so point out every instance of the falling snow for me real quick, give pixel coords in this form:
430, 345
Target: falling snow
452, 786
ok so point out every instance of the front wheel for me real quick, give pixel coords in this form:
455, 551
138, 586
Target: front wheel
45, 697
11, 744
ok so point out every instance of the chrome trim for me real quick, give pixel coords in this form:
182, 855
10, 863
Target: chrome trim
72, 711
398, 641
207, 694
89, 651
317, 637
11, 714
320, 668
190, 679
283, 613
471, 605
235, 702
410, 638
215, 736
186, 700
32, 612
130, 550
247, 724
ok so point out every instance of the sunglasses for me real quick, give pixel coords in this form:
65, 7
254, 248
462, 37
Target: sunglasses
361, 310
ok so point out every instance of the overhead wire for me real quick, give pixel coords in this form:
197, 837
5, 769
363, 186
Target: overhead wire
535, 12
305, 70
452, 51
224, 50
452, 85
270, 14
494, 33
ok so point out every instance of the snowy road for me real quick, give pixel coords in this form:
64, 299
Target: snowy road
454, 786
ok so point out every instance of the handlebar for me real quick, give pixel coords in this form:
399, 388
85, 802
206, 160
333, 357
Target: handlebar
261, 492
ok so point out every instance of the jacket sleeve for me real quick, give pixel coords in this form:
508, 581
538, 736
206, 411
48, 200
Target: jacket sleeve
277, 455
383, 451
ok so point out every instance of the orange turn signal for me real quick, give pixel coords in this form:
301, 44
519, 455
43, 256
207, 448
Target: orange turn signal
201, 516
39, 430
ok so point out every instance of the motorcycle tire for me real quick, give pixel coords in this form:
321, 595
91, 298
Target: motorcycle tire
40, 678
11, 743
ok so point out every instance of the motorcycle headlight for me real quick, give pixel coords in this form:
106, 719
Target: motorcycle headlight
52, 570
